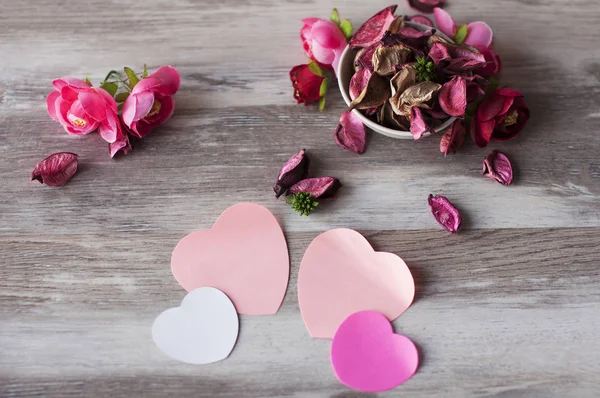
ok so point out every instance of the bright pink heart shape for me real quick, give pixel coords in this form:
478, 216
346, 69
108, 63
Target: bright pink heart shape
341, 274
367, 356
244, 255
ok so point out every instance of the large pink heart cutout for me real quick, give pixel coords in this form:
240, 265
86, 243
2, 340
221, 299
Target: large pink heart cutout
244, 255
341, 274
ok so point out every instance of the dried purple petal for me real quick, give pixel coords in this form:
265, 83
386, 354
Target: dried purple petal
319, 188
439, 52
397, 24
453, 97
445, 213
56, 169
497, 166
373, 30
453, 138
359, 82
425, 6
364, 57
418, 125
376, 93
294, 170
351, 133
421, 19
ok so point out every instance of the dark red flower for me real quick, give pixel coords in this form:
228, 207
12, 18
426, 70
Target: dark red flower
307, 86
500, 117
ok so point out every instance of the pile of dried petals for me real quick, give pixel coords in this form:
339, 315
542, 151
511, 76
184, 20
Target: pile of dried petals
305, 191
413, 79
323, 42
124, 105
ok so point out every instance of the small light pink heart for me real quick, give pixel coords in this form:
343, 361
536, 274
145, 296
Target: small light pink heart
244, 255
367, 356
341, 274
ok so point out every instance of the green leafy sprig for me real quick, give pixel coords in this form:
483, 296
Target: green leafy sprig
424, 69
303, 203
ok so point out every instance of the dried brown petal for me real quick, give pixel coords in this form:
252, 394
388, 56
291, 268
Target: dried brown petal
56, 169
418, 95
376, 93
385, 59
497, 166
358, 83
294, 170
391, 119
402, 80
453, 138
351, 133
373, 30
445, 213
397, 24
319, 188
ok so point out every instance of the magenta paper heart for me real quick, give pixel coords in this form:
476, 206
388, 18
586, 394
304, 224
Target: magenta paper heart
244, 255
367, 356
341, 274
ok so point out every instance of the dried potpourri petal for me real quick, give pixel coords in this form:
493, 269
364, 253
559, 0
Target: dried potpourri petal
397, 24
351, 133
359, 82
418, 124
415, 38
453, 138
453, 97
294, 170
364, 57
386, 59
373, 30
425, 6
56, 169
497, 166
439, 53
376, 93
418, 95
421, 19
402, 80
319, 187
391, 119
445, 213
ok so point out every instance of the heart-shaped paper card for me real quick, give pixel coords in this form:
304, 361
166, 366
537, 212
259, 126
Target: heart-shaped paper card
341, 274
203, 329
367, 356
244, 255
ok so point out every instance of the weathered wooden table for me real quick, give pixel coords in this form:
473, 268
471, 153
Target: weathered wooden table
509, 308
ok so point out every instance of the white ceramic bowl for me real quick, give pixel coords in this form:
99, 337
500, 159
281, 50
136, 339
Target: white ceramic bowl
346, 71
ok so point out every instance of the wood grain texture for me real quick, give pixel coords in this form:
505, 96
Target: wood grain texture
509, 308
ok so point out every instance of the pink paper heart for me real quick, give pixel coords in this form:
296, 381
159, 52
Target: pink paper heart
244, 255
367, 356
341, 274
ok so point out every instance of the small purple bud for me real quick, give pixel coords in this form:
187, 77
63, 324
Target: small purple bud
445, 213
294, 170
319, 188
497, 166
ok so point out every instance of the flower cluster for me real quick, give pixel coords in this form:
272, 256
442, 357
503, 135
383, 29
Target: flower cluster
323, 42
410, 78
123, 105
305, 191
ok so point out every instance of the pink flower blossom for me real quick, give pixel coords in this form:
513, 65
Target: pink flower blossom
81, 108
323, 41
479, 34
150, 103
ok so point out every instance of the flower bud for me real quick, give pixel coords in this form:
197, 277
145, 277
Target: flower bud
294, 170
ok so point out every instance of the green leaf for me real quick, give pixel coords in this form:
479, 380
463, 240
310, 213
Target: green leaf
110, 87
323, 88
321, 103
145, 74
112, 72
87, 80
346, 28
315, 69
133, 79
335, 17
461, 34
121, 97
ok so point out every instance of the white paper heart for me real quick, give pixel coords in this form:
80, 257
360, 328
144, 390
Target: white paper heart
203, 329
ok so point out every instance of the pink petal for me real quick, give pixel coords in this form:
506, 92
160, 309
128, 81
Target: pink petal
351, 133
120, 144
310, 21
374, 29
108, 99
453, 97
69, 93
509, 92
328, 35
439, 52
482, 132
69, 81
418, 126
453, 138
421, 19
109, 129
147, 84
93, 105
444, 21
167, 107
128, 112
359, 82
143, 105
51, 104
480, 34
337, 56
323, 55
169, 78
490, 107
